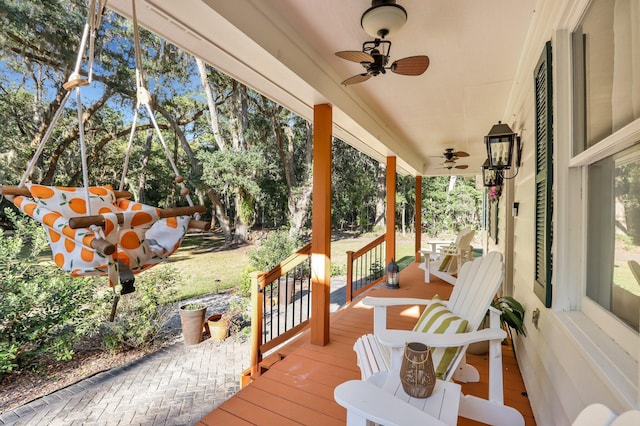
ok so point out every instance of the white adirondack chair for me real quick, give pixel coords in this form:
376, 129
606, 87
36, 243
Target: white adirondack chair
600, 415
477, 284
445, 261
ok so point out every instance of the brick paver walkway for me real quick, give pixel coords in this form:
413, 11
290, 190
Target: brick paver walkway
177, 385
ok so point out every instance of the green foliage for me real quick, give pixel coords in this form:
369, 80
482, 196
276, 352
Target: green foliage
245, 286
192, 307
140, 315
512, 317
273, 250
43, 311
8, 355
228, 171
354, 179
246, 209
338, 269
376, 270
450, 203
239, 318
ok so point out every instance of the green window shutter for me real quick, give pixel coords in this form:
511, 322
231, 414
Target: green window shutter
544, 175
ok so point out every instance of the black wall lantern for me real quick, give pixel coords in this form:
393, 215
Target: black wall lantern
490, 177
501, 142
393, 275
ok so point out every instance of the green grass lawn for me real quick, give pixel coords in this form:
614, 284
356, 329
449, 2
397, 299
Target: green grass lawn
206, 266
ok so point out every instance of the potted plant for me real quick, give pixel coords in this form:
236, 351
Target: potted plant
219, 326
511, 319
192, 317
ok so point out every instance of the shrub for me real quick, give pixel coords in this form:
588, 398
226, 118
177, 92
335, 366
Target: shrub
337, 270
239, 317
43, 310
245, 286
273, 250
140, 315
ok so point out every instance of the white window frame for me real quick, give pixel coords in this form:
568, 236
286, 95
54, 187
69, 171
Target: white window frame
593, 327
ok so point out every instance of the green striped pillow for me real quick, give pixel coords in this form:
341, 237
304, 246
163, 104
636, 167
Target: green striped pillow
436, 318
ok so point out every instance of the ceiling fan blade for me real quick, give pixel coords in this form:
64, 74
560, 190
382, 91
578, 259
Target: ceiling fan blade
462, 166
412, 65
461, 154
355, 56
358, 78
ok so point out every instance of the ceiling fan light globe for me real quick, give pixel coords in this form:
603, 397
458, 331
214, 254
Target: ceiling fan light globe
383, 20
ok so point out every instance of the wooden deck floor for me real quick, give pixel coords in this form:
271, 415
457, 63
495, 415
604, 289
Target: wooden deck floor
299, 388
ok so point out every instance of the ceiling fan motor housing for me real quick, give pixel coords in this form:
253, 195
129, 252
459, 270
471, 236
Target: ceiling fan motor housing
384, 18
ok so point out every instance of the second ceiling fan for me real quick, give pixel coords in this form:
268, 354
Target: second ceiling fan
450, 157
383, 18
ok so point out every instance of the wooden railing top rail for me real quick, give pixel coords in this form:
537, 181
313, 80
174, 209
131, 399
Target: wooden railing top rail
286, 265
369, 246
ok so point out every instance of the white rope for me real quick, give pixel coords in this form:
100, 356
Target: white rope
74, 76
91, 19
44, 140
83, 43
83, 151
144, 98
136, 45
127, 155
167, 152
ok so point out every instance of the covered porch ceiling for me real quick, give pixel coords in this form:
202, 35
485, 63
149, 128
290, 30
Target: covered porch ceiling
285, 49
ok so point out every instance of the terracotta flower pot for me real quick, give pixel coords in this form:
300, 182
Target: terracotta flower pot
218, 327
192, 321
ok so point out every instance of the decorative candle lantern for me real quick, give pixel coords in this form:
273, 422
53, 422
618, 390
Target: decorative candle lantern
393, 275
500, 146
491, 177
417, 375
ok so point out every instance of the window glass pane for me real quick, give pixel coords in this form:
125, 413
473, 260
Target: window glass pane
613, 262
607, 70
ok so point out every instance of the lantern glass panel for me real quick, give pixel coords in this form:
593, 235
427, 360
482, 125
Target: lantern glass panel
500, 150
393, 275
489, 176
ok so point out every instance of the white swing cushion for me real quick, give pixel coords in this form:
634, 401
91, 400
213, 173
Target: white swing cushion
436, 318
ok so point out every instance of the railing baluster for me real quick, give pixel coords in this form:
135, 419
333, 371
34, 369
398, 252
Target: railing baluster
367, 267
271, 328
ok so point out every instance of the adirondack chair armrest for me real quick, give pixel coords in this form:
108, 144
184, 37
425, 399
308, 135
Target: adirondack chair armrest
380, 305
394, 301
398, 338
365, 401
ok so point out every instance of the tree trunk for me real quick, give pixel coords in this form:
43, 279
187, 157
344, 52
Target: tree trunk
213, 108
220, 214
219, 210
244, 216
298, 210
404, 214
299, 193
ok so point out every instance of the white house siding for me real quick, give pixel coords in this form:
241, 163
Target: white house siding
566, 362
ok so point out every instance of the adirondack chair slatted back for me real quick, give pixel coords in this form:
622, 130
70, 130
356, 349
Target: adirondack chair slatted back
464, 238
477, 284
